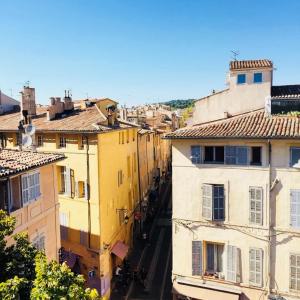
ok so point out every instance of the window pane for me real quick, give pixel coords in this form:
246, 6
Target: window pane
255, 155
209, 154
195, 154
210, 257
257, 77
219, 152
295, 155
241, 78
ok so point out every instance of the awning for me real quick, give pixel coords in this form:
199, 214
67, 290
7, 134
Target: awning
120, 249
203, 293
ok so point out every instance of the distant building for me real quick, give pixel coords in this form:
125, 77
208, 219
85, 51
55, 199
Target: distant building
28, 192
7, 103
236, 194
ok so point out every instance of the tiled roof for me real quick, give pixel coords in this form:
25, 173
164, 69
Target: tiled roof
87, 120
250, 64
285, 91
250, 125
16, 161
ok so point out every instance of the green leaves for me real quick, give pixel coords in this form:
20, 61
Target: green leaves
25, 273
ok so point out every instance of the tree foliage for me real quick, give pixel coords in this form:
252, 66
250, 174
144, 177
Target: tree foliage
180, 104
26, 274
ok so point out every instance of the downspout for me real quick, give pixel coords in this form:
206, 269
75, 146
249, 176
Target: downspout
88, 189
139, 178
269, 217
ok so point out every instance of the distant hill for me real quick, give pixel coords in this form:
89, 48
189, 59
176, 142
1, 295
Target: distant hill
180, 104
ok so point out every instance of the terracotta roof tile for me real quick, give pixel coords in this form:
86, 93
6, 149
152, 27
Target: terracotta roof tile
16, 161
250, 125
87, 120
250, 64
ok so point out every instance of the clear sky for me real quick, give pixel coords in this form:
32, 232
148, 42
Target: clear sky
138, 51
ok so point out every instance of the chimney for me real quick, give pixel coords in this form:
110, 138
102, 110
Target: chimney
28, 106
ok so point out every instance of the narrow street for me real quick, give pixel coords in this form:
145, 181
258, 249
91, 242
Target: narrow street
157, 258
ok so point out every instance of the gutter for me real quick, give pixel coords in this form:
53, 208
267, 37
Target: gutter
88, 190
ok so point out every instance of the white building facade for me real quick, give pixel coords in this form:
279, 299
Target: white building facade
236, 209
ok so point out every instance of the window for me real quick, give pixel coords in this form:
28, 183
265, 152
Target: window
236, 155
256, 205
3, 140
196, 154
241, 78
213, 204
295, 272
40, 141
214, 261
81, 189
257, 77
255, 266
83, 237
294, 155
256, 156
80, 142
30, 187
64, 223
214, 154
62, 142
39, 242
196, 258
67, 184
295, 208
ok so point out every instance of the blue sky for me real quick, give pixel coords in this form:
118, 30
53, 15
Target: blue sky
138, 51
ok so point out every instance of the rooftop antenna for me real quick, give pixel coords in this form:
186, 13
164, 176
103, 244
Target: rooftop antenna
235, 54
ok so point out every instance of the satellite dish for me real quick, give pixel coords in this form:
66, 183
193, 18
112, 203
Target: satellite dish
30, 129
26, 140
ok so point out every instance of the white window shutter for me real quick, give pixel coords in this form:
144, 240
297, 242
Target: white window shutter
25, 190
86, 190
232, 263
256, 267
197, 265
207, 195
295, 208
256, 205
68, 182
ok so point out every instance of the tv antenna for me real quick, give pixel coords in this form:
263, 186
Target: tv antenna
235, 54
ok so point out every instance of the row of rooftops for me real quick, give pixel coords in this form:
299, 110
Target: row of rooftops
257, 124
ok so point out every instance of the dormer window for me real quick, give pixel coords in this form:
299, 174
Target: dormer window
257, 78
241, 78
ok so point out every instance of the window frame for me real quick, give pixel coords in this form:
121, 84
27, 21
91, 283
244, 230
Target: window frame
218, 260
214, 161
62, 142
241, 75
40, 140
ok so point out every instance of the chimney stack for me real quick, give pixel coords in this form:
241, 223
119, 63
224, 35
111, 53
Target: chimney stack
28, 106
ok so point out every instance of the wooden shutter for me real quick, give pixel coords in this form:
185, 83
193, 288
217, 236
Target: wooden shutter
25, 189
256, 266
68, 182
241, 155
207, 195
230, 155
197, 258
295, 272
256, 205
86, 190
295, 208
233, 266
72, 183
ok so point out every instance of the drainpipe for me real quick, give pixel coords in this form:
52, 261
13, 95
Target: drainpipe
88, 189
270, 218
139, 178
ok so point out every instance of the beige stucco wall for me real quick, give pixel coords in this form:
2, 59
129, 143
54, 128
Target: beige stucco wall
239, 98
236, 230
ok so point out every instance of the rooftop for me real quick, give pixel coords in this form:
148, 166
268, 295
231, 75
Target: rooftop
254, 124
250, 64
285, 91
79, 120
17, 161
